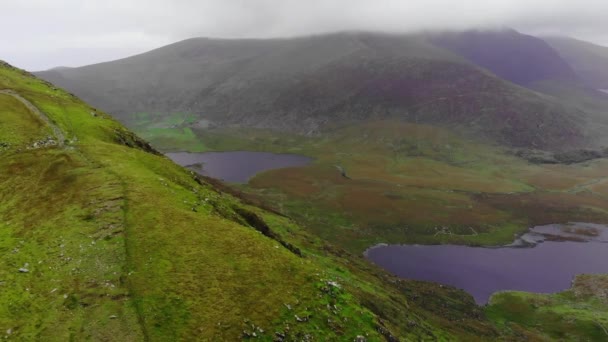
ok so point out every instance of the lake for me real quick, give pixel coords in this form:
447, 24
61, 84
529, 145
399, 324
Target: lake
543, 261
237, 166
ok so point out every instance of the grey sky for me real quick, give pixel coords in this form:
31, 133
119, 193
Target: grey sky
39, 34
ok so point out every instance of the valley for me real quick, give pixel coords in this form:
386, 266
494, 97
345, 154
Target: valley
417, 184
105, 239
423, 144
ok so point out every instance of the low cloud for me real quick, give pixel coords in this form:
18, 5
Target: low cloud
38, 34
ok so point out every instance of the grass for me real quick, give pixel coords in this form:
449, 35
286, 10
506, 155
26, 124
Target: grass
168, 132
415, 184
115, 242
580, 313
19, 126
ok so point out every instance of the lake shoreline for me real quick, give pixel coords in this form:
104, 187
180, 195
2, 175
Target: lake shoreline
236, 166
545, 259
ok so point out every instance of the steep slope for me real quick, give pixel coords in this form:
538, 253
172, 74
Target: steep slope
519, 58
309, 85
101, 238
589, 61
591, 103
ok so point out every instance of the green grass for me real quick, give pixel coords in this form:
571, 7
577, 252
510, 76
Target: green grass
19, 126
121, 244
177, 139
578, 314
168, 132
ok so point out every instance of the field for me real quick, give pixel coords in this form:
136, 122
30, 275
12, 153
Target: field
169, 132
410, 183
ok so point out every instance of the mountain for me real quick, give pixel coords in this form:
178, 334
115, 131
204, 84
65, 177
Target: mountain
589, 61
103, 238
313, 84
513, 56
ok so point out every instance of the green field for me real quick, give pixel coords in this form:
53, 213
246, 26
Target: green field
168, 132
416, 184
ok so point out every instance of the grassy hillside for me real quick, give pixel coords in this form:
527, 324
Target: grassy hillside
101, 238
589, 61
310, 85
578, 314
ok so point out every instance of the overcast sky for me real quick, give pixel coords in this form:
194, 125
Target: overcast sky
39, 34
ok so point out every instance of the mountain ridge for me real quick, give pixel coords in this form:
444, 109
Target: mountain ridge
519, 58
308, 85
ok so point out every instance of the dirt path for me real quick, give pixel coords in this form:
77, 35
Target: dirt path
56, 130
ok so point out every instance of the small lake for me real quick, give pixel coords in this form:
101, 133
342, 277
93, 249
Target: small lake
543, 261
238, 166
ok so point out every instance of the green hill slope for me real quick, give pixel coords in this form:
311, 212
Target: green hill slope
101, 238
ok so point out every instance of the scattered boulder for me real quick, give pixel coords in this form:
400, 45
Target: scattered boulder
280, 337
333, 284
47, 142
301, 319
342, 171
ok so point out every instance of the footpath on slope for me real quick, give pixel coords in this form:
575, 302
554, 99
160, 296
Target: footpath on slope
56, 130
109, 205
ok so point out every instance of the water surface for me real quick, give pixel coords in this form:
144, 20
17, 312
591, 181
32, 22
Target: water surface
553, 256
238, 166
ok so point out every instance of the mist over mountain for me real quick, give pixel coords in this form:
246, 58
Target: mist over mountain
135, 26
516, 57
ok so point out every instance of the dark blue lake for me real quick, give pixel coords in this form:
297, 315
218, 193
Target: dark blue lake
543, 261
238, 166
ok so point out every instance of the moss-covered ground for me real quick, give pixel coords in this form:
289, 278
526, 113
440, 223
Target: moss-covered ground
578, 314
